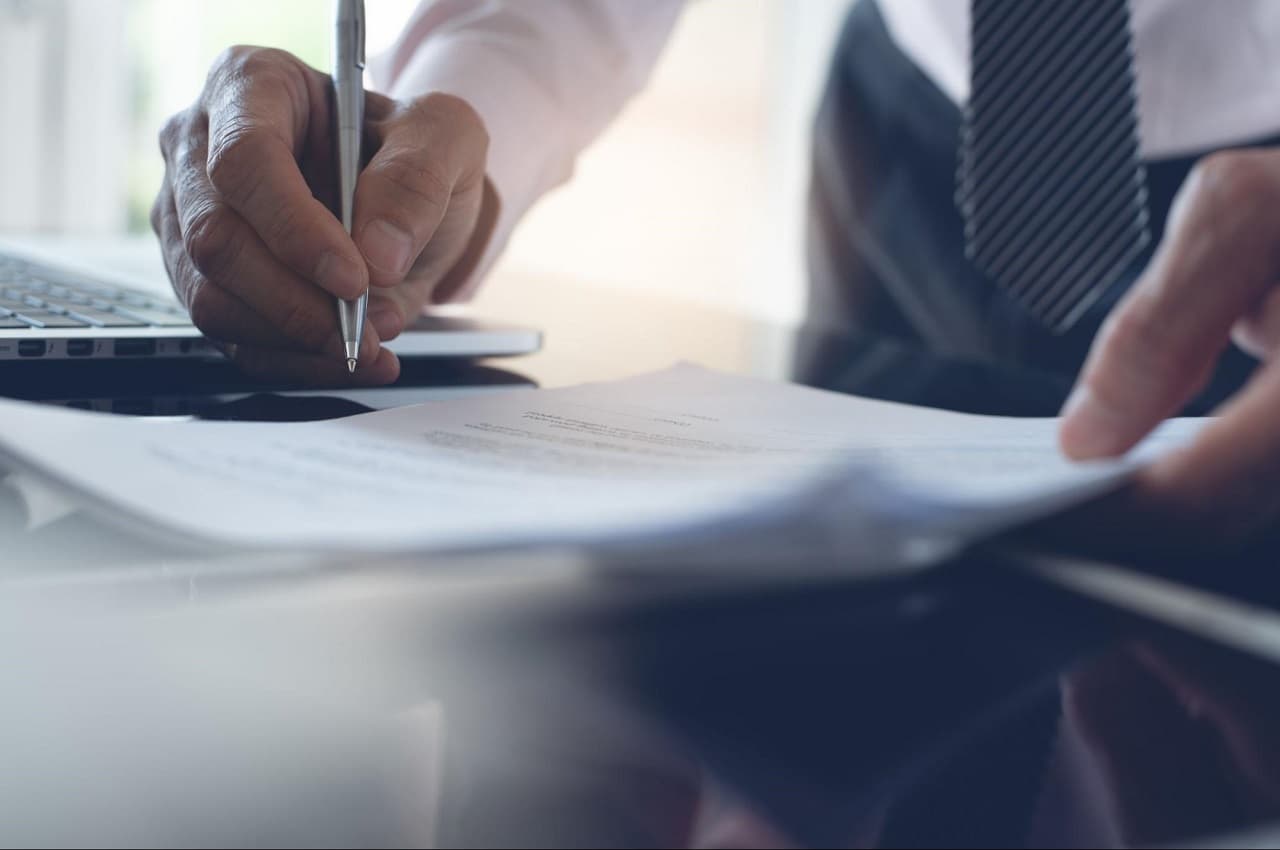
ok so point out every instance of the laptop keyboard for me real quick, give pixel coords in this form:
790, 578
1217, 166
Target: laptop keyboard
33, 296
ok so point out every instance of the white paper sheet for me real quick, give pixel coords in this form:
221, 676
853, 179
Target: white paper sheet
682, 457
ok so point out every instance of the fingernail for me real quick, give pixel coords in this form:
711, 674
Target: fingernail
386, 322
386, 246
339, 275
1091, 429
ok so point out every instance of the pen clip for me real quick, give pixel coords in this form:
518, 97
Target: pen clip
357, 33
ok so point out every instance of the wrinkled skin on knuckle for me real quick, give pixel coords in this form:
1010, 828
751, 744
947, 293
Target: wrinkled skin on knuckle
172, 132
234, 159
210, 240
243, 71
444, 116
417, 179
203, 308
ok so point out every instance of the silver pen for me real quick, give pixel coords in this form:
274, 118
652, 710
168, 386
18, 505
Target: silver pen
348, 88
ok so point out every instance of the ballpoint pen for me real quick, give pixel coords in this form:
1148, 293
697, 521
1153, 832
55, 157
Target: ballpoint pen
348, 86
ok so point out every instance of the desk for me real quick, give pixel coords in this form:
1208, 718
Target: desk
540, 699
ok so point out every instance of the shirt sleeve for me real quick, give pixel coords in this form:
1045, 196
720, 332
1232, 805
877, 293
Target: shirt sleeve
545, 76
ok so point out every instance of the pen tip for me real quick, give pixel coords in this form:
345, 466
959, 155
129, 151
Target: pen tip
351, 365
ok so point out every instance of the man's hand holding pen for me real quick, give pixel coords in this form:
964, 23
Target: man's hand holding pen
250, 241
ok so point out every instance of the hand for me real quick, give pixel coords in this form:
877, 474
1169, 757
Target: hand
1212, 279
249, 240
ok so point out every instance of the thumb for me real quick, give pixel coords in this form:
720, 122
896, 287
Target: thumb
430, 151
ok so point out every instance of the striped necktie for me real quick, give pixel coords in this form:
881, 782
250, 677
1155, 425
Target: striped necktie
1051, 189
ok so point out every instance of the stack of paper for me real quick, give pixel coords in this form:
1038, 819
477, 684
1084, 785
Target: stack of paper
680, 458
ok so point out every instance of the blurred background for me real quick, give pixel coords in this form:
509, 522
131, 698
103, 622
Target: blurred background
698, 191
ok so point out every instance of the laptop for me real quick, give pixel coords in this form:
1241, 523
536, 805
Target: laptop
53, 313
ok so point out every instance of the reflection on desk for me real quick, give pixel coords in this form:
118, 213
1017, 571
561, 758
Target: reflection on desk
216, 390
975, 709
568, 708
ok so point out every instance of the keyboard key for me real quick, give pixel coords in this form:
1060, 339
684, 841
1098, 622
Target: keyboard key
162, 318
31, 295
43, 319
103, 319
89, 287
12, 322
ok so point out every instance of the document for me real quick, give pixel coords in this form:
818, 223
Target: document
683, 460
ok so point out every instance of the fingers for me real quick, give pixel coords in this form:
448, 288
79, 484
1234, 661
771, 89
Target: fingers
429, 169
1226, 481
392, 310
387, 315
1259, 332
1216, 262
229, 258
258, 259
222, 316
461, 269
258, 106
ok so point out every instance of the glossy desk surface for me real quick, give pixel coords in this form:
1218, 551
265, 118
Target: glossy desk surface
550, 699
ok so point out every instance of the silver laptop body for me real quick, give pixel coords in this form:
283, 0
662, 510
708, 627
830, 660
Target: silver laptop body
51, 313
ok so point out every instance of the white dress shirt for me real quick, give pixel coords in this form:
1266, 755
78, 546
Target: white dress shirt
547, 76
